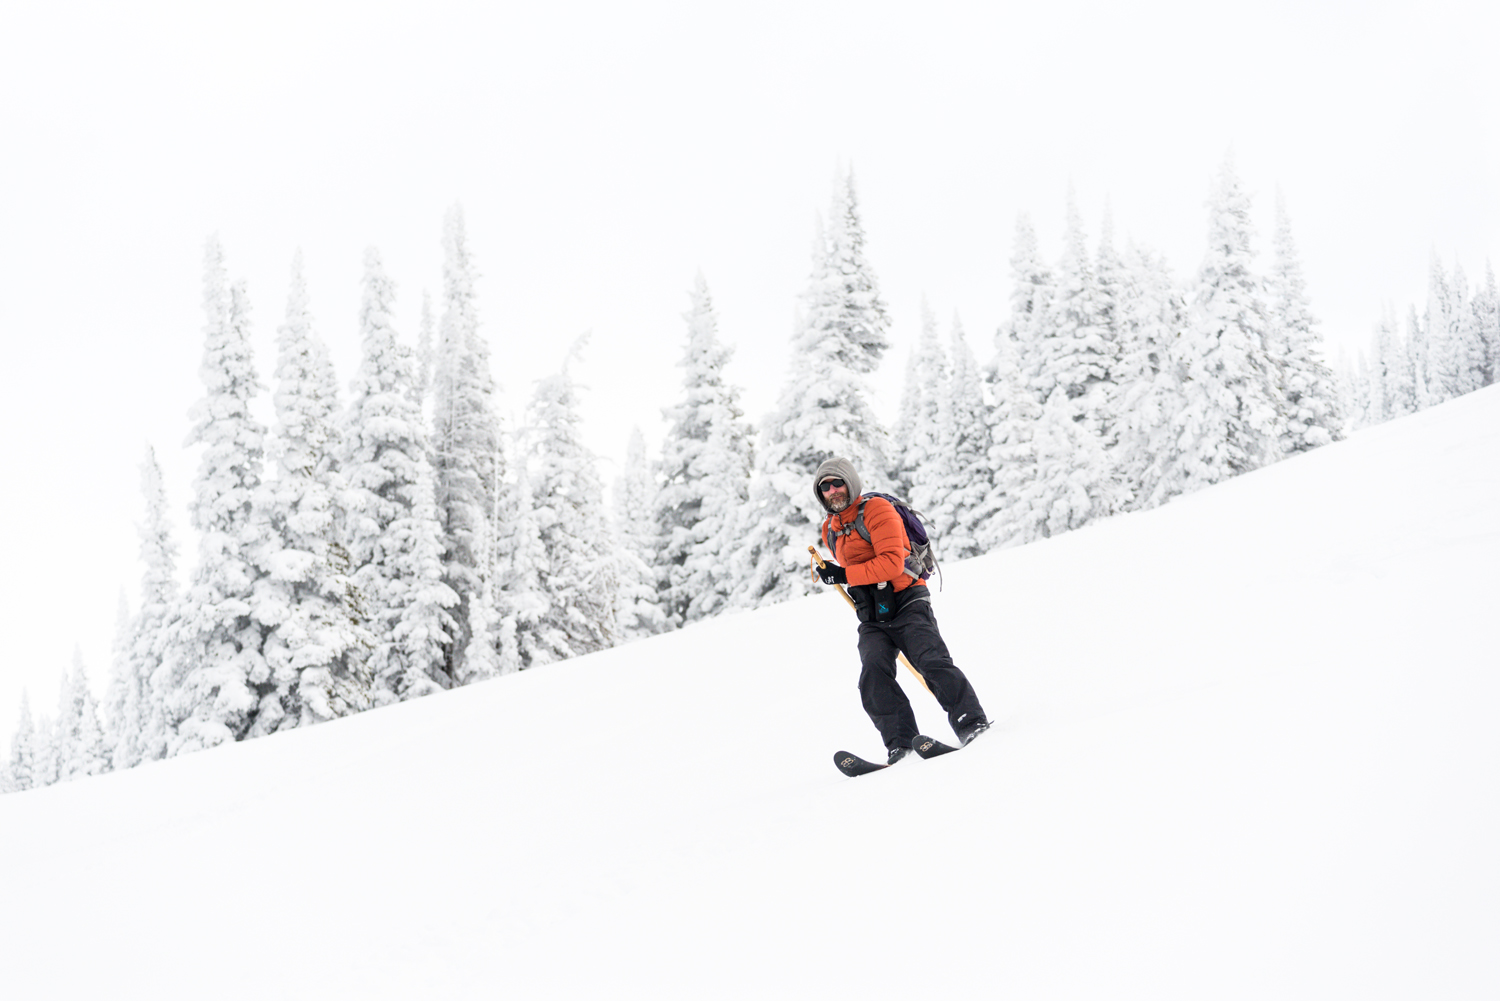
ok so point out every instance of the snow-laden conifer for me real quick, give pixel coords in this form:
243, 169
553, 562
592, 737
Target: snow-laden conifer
121, 709
1075, 481
1445, 350
153, 632
465, 439
1416, 354
930, 437
1487, 325
1032, 287
481, 657
1152, 311
1004, 516
393, 535
21, 769
79, 735
705, 475
524, 637
903, 470
316, 643
822, 411
579, 578
1309, 399
44, 753
638, 544
216, 662
964, 466
1392, 370
1230, 420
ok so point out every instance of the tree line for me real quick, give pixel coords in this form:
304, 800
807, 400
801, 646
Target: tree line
406, 541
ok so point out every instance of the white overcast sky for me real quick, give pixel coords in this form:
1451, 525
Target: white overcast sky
604, 153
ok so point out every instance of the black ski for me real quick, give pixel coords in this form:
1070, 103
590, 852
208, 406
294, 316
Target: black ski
927, 747
854, 766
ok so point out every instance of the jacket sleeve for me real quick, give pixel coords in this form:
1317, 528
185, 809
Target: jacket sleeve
888, 536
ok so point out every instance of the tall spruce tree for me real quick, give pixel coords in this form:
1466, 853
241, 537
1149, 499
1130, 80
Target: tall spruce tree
465, 444
217, 669
1310, 400
524, 638
1075, 481
1005, 516
1230, 420
964, 467
153, 632
79, 735
22, 766
316, 643
930, 437
822, 411
579, 578
393, 535
638, 544
705, 474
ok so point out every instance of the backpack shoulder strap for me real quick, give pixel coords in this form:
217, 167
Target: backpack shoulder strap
859, 520
830, 536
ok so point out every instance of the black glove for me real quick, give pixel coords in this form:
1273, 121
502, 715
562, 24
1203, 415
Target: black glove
832, 573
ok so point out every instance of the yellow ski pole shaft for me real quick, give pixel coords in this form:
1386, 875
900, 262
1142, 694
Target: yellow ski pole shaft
818, 563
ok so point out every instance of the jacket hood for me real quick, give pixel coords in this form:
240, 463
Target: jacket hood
844, 470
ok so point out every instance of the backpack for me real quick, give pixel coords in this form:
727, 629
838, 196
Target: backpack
922, 560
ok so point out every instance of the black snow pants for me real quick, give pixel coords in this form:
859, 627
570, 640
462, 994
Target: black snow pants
913, 632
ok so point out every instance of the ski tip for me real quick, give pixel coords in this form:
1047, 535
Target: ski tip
853, 765
928, 747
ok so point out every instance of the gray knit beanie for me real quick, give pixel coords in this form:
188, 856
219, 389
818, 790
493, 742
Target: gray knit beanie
844, 470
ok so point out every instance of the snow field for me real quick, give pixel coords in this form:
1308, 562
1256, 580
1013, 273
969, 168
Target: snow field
1245, 747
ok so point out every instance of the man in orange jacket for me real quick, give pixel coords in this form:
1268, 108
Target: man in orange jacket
895, 611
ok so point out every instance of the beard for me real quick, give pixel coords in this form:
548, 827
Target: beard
838, 505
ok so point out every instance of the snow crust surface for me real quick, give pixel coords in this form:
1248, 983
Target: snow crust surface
1245, 747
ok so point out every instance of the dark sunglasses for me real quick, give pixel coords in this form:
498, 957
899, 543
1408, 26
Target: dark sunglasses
828, 485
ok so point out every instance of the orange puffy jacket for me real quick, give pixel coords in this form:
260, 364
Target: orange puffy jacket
883, 558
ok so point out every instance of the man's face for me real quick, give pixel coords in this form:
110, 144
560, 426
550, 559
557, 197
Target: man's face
835, 493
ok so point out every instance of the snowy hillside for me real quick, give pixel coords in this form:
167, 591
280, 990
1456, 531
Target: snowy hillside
1246, 747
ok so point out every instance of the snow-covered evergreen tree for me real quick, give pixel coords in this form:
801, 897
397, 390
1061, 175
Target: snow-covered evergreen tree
1487, 325
394, 539
1152, 311
1444, 353
930, 438
524, 637
903, 470
1416, 353
149, 662
964, 468
1032, 287
1468, 347
1392, 371
1311, 415
638, 544
1075, 481
316, 643
821, 411
1230, 419
22, 769
216, 663
79, 736
121, 709
579, 578
465, 444
705, 475
1004, 517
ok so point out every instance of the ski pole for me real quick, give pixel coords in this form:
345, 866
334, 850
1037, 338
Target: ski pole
818, 563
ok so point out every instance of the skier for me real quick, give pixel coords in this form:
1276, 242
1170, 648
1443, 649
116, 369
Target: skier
895, 613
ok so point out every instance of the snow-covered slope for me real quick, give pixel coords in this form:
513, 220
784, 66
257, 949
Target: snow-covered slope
1246, 746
